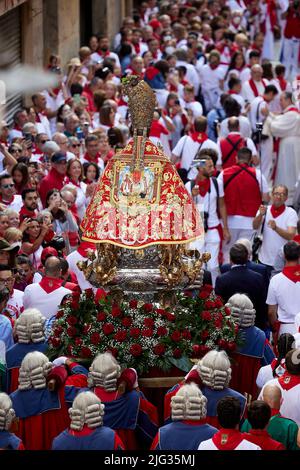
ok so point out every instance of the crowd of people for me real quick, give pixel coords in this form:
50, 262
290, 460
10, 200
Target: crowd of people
228, 117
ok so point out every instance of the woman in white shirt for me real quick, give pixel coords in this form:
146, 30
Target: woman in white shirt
75, 176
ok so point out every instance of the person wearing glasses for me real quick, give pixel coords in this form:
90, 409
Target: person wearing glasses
14, 305
278, 224
74, 147
8, 196
7, 160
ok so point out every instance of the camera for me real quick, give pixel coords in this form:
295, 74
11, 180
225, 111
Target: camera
177, 102
29, 136
205, 221
259, 126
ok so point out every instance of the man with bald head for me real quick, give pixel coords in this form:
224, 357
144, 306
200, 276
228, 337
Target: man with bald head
47, 295
234, 141
281, 429
256, 85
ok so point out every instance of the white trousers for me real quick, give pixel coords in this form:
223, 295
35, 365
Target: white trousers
212, 246
291, 57
235, 233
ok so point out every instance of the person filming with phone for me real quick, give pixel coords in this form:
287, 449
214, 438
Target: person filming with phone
209, 198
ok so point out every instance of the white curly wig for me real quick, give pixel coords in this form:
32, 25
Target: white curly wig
7, 413
188, 403
86, 409
104, 372
30, 326
242, 310
33, 371
214, 370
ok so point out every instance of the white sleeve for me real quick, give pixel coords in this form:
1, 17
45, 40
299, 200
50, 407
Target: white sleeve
179, 146
292, 219
262, 182
221, 183
272, 298
251, 146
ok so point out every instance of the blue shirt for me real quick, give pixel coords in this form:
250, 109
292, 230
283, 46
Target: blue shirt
6, 333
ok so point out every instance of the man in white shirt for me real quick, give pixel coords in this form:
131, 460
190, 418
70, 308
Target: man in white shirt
259, 111
103, 52
284, 291
47, 295
15, 302
7, 193
41, 120
212, 79
190, 145
256, 85
209, 199
279, 225
190, 103
80, 255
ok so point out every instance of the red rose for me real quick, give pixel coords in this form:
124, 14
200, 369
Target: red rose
86, 352
204, 334
136, 350
78, 341
147, 333
71, 320
162, 331
175, 336
133, 303
159, 349
227, 311
72, 331
208, 287
188, 293
101, 316
186, 334
76, 295
116, 311
120, 336
86, 328
196, 349
177, 353
149, 322
95, 338
236, 329
170, 317
107, 328
60, 314
148, 307
209, 304
75, 304
222, 343
204, 295
58, 330
89, 293
70, 350
135, 332
56, 342
231, 346
127, 321
113, 351
218, 302
218, 323
161, 311
206, 315
203, 349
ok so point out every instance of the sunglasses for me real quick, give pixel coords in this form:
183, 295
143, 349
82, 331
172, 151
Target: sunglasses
7, 186
16, 150
44, 141
76, 145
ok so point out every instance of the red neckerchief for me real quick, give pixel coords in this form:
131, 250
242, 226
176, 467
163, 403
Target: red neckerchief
70, 180
137, 48
288, 381
85, 431
7, 203
103, 53
282, 83
122, 102
231, 92
292, 273
292, 108
84, 247
50, 284
90, 159
274, 412
227, 439
87, 181
254, 87
277, 211
55, 91
256, 48
204, 186
214, 66
297, 239
274, 362
199, 137
17, 128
